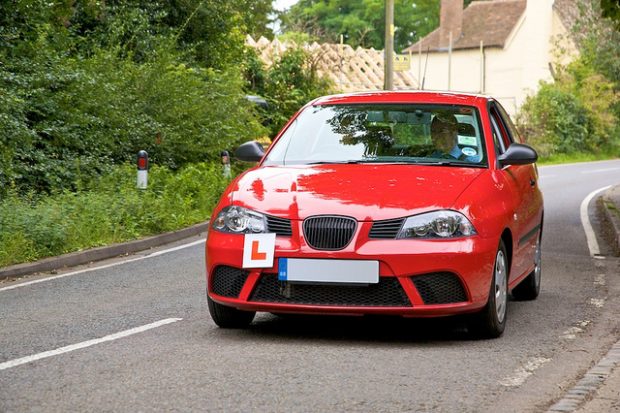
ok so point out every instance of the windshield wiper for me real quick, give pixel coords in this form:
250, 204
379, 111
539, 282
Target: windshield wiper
352, 162
451, 163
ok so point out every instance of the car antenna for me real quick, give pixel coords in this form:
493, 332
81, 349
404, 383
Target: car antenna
428, 49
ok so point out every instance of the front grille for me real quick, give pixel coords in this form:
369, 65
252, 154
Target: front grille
329, 232
387, 293
440, 288
279, 226
228, 281
386, 229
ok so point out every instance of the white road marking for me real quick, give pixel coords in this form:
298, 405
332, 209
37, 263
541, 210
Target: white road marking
600, 279
523, 372
597, 302
101, 267
585, 221
572, 332
28, 359
598, 171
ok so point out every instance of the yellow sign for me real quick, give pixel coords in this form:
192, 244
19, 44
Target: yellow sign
402, 62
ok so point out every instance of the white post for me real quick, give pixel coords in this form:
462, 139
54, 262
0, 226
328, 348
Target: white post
143, 170
420, 64
450, 62
482, 63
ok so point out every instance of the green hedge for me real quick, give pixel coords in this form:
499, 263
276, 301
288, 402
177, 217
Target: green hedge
574, 115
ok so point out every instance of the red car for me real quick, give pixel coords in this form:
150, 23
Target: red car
414, 204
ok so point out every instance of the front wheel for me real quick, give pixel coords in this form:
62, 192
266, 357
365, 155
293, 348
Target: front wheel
491, 321
229, 317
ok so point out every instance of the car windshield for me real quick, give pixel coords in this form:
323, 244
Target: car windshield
382, 133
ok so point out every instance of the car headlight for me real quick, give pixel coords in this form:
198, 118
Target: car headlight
437, 224
240, 220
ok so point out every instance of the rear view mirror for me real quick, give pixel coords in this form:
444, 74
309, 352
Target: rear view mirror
518, 154
250, 152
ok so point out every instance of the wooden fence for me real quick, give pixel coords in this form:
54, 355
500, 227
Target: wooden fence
350, 69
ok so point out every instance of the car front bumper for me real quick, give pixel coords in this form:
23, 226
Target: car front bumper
417, 278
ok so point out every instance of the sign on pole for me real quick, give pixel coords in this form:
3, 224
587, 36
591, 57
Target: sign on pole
402, 62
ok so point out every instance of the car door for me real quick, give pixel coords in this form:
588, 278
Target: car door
526, 202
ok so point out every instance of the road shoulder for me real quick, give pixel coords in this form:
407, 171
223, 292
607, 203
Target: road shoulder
101, 253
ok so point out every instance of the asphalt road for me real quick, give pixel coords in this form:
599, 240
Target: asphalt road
306, 364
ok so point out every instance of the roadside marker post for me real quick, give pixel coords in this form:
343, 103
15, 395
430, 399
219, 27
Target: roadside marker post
226, 164
143, 170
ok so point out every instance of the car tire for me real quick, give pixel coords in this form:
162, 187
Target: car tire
229, 317
491, 321
529, 288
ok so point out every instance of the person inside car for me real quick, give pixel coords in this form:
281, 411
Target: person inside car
444, 134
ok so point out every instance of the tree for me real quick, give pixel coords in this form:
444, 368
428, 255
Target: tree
362, 23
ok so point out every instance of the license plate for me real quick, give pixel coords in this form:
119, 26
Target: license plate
328, 271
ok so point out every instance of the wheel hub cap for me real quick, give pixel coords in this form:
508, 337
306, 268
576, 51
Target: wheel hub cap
501, 296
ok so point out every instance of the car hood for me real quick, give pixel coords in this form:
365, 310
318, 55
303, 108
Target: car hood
365, 192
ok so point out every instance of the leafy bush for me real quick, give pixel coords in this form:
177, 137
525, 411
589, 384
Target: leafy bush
85, 85
574, 114
287, 85
109, 210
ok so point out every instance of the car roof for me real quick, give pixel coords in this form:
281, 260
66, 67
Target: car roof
404, 96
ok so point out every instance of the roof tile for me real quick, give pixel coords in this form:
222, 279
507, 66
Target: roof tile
489, 21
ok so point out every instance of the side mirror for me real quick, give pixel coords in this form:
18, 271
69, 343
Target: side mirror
518, 154
250, 152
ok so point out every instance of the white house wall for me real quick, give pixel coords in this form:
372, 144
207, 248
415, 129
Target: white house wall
510, 73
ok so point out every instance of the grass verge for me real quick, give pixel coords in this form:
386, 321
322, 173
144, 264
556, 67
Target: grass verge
108, 211
578, 157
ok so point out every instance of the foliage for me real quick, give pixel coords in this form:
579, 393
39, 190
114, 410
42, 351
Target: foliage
85, 85
611, 10
288, 84
573, 114
110, 210
580, 111
362, 23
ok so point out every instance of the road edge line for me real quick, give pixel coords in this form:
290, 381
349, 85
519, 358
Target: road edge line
102, 267
585, 221
101, 253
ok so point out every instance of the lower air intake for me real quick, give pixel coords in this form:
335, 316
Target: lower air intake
440, 288
228, 281
387, 293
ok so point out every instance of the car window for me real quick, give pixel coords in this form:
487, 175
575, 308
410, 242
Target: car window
512, 130
383, 133
502, 129
497, 140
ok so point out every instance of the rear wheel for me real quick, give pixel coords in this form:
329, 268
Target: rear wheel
229, 317
491, 321
529, 288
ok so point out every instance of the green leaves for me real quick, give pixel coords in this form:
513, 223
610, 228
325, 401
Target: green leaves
574, 114
580, 111
291, 82
611, 10
362, 23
